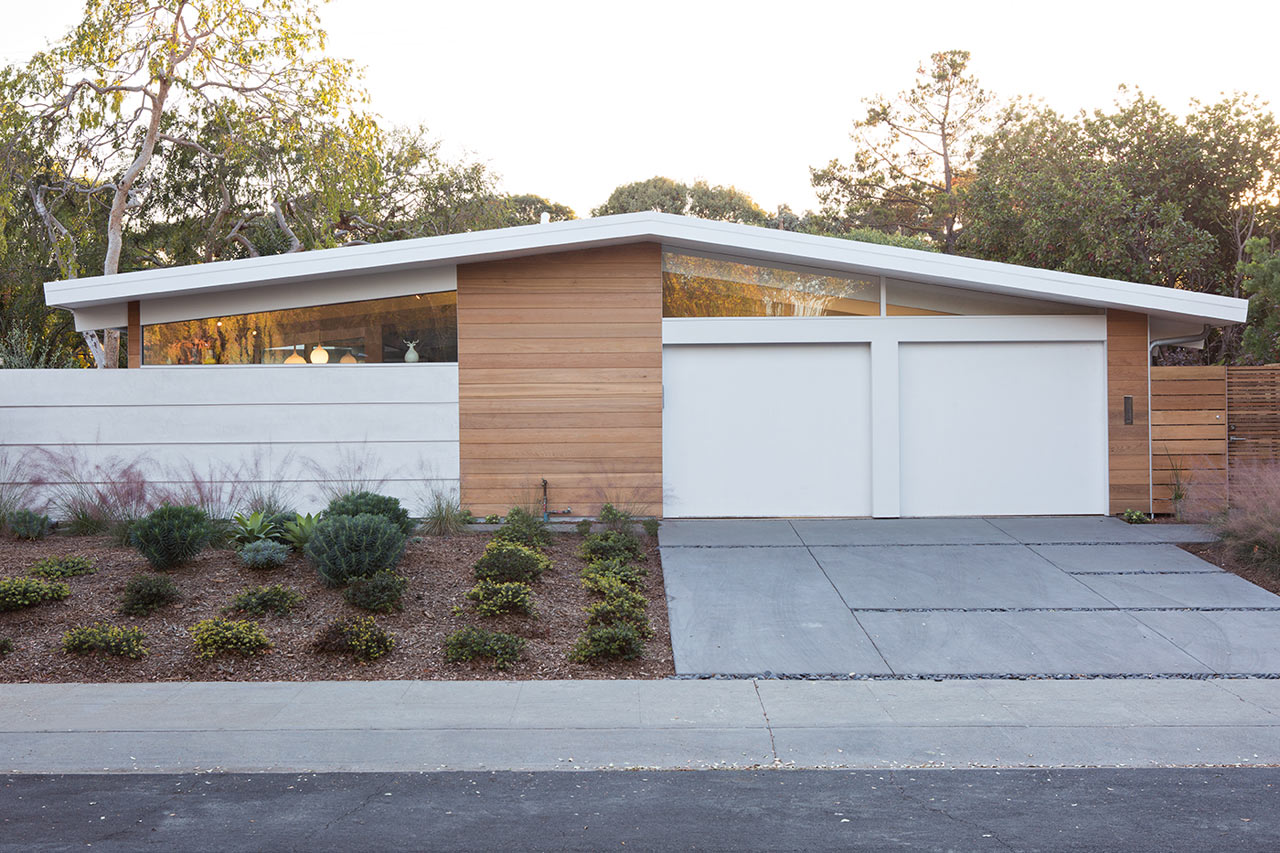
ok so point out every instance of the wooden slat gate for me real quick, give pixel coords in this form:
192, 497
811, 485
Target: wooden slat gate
1189, 428
1253, 401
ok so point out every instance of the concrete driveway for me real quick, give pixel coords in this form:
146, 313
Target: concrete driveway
964, 596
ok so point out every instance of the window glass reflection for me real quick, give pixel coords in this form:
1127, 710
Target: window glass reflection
403, 329
709, 287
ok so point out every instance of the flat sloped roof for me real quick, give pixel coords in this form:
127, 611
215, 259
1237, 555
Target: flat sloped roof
679, 232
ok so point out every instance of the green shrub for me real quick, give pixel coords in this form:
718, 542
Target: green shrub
510, 561
610, 545
493, 599
297, 532
26, 524
493, 518
19, 593
651, 526
616, 569
264, 554
62, 567
345, 547
381, 592
145, 594
121, 532
6, 646
607, 642
85, 521
171, 535
254, 527
472, 643
616, 519
215, 636
367, 503
621, 610
107, 639
1134, 516
524, 528
359, 636
261, 600
583, 527
444, 516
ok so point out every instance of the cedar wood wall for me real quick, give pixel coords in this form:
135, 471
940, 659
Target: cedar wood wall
560, 376
1129, 445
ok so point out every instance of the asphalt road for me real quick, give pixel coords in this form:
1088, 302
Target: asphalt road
969, 810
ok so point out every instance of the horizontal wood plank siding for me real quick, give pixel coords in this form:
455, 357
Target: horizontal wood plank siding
1129, 444
1189, 437
1253, 401
560, 377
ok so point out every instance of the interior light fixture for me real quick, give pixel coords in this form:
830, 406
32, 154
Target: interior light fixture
295, 358
347, 359
319, 355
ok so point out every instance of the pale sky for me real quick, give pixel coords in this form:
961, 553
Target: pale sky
570, 99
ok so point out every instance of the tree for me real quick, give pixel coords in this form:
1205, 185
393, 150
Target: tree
701, 199
101, 100
911, 155
1260, 274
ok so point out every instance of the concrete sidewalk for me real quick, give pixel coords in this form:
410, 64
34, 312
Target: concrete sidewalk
428, 726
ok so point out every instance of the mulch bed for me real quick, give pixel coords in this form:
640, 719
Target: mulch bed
1222, 557
439, 570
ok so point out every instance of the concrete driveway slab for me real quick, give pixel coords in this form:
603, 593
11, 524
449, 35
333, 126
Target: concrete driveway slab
951, 576
1226, 641
1204, 589
1072, 529
751, 610
1048, 642
899, 531
1178, 532
1088, 559
731, 532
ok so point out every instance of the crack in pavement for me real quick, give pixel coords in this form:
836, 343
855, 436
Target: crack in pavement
773, 746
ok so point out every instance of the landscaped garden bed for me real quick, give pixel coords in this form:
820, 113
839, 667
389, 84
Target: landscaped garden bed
439, 571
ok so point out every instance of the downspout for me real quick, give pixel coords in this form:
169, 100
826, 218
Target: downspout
1198, 338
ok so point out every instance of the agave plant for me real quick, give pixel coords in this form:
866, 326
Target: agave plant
253, 527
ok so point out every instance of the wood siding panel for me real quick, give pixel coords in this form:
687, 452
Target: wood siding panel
1130, 451
1189, 437
1253, 400
560, 377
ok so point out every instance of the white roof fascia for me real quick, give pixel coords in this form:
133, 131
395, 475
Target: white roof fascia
682, 232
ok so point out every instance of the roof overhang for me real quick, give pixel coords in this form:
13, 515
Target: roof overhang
679, 232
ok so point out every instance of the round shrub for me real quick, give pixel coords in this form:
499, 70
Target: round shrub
237, 636
494, 599
379, 592
19, 593
611, 545
617, 569
607, 642
171, 535
62, 567
472, 643
264, 554
510, 561
345, 547
367, 503
107, 639
6, 646
144, 594
621, 610
25, 524
360, 637
525, 528
261, 600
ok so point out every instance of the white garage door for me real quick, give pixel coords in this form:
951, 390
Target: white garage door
766, 430
1003, 429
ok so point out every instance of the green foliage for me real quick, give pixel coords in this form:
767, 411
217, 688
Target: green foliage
651, 526
360, 636
261, 600
610, 545
26, 524
367, 503
145, 594
6, 646
663, 195
524, 528
62, 567
254, 527
26, 348
493, 518
171, 535
621, 610
380, 592
616, 519
1133, 516
583, 527
596, 575
510, 561
1260, 275
297, 532
444, 515
264, 554
618, 641
237, 636
107, 639
345, 547
495, 599
472, 643
20, 592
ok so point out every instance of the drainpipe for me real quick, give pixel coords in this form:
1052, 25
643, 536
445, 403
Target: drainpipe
1180, 341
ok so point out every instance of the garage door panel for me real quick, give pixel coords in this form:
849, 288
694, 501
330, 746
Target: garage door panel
766, 430
1002, 429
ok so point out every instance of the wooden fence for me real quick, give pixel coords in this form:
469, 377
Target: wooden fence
1206, 423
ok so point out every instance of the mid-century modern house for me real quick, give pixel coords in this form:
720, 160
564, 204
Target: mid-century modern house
679, 366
